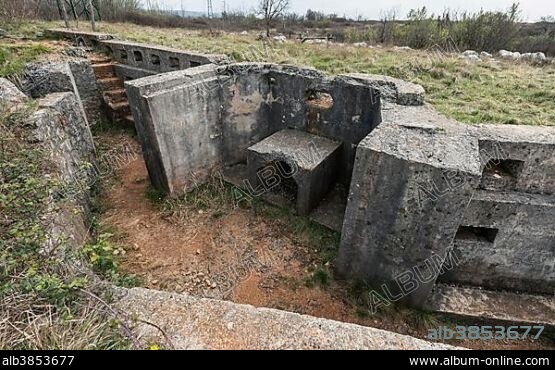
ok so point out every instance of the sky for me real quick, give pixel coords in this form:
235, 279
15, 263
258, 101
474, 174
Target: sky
532, 10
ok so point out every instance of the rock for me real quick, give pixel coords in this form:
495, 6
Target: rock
316, 41
534, 58
509, 55
402, 48
469, 53
539, 58
280, 38
360, 44
3, 33
10, 95
485, 55
262, 36
244, 33
471, 58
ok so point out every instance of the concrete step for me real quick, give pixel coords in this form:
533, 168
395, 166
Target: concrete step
100, 60
104, 70
115, 96
112, 83
129, 119
122, 108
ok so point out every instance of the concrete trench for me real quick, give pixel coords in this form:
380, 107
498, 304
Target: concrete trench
430, 211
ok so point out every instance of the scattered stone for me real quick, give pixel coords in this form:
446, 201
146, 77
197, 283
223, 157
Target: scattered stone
468, 53
534, 58
471, 58
244, 33
486, 55
360, 44
280, 38
3, 33
402, 48
509, 55
317, 41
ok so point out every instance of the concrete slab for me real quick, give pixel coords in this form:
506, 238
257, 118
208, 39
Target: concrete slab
194, 323
513, 308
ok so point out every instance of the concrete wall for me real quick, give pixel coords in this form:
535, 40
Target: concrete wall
396, 233
469, 205
157, 59
163, 127
248, 102
423, 202
507, 239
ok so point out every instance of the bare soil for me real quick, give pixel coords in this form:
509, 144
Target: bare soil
241, 255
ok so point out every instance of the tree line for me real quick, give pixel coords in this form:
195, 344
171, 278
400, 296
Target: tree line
420, 28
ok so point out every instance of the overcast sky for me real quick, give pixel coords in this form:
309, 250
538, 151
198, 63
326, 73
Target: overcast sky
531, 9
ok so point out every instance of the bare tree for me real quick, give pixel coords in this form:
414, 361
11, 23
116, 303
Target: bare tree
93, 21
62, 7
270, 10
386, 18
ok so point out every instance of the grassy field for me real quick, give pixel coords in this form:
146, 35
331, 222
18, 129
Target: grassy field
486, 92
480, 93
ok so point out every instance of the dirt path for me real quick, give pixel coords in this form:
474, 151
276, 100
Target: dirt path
234, 255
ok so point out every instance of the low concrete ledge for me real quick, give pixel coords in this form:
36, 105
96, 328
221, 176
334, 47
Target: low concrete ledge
516, 308
194, 323
81, 38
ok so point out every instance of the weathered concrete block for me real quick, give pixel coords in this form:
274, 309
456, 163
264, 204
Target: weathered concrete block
392, 89
177, 117
89, 93
311, 161
517, 158
506, 241
61, 126
10, 95
410, 187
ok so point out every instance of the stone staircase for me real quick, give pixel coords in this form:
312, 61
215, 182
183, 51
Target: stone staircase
113, 91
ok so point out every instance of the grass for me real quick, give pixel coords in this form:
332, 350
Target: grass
48, 298
13, 57
507, 93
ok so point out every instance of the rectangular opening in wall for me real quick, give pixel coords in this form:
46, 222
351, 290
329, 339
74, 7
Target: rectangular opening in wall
138, 56
174, 62
501, 174
155, 59
478, 234
194, 64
